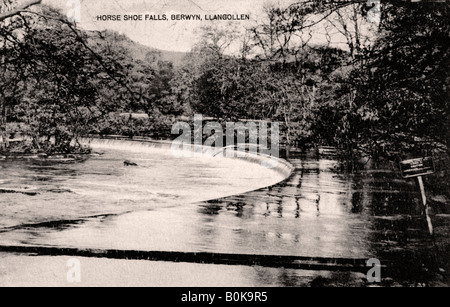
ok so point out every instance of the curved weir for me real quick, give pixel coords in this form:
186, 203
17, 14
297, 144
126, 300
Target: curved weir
104, 186
265, 227
144, 144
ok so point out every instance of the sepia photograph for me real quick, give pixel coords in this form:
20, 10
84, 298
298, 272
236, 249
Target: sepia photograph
217, 145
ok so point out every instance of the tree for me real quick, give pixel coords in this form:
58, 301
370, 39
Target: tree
60, 80
215, 39
389, 94
403, 94
58, 97
57, 83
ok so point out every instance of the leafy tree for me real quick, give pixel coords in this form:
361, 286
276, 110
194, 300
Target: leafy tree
402, 93
389, 95
60, 81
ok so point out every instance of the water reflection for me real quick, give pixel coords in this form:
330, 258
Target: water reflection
316, 212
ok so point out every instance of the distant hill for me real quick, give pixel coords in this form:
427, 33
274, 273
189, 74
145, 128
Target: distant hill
332, 56
135, 49
176, 57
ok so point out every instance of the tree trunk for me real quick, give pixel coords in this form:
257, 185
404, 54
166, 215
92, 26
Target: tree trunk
4, 144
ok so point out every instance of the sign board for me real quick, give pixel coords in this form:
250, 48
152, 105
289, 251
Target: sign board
417, 167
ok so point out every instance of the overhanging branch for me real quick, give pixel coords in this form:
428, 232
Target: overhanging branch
19, 9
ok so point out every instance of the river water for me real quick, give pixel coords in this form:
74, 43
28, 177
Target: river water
199, 205
103, 185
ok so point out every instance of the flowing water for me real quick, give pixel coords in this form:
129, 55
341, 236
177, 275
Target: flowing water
102, 185
219, 205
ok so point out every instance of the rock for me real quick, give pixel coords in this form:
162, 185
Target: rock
8, 191
129, 163
59, 191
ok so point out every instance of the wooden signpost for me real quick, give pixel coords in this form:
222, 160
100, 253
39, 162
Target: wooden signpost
418, 168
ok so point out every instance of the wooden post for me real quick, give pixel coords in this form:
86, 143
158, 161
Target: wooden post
424, 200
3, 136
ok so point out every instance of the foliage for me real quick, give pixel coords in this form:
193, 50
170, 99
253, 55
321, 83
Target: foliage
394, 99
61, 82
383, 95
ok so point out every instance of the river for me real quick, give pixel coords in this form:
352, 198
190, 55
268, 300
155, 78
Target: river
233, 207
